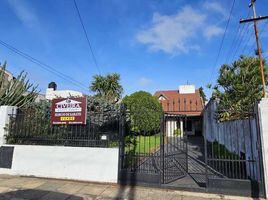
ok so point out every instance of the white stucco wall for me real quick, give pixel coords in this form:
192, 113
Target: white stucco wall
187, 89
5, 111
52, 94
77, 163
263, 121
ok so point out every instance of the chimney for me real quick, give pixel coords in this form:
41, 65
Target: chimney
186, 89
52, 85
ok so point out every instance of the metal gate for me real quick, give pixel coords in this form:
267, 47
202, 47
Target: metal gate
152, 157
174, 149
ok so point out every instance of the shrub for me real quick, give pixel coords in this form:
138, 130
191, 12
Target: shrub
144, 113
177, 132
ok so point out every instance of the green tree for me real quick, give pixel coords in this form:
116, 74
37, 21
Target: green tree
17, 91
107, 87
238, 88
39, 110
145, 112
202, 94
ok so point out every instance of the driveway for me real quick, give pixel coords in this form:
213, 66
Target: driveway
174, 164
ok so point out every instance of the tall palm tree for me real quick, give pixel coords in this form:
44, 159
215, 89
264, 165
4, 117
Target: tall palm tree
107, 86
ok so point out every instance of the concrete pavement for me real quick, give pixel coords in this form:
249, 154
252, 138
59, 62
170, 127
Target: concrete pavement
21, 188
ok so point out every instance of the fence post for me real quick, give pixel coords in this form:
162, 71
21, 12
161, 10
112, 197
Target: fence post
162, 146
263, 125
5, 111
121, 141
205, 129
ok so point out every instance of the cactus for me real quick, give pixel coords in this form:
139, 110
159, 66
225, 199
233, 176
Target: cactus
16, 92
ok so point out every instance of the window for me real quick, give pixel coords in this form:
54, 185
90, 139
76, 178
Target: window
161, 98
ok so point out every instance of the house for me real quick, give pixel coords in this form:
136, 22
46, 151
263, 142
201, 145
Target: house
52, 92
7, 77
183, 110
40, 97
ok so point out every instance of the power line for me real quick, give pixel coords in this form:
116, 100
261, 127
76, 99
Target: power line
87, 38
247, 44
221, 44
263, 28
251, 52
239, 34
252, 49
44, 66
249, 33
240, 40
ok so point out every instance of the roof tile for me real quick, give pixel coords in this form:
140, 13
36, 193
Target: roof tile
176, 103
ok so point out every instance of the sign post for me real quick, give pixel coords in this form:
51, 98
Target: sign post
69, 111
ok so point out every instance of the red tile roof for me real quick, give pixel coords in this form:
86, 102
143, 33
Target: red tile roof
185, 104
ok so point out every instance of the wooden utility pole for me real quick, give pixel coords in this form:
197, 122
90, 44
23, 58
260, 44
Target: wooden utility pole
255, 19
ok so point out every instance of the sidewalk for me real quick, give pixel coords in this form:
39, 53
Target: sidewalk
19, 188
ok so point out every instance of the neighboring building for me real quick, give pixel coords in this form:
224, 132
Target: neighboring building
180, 103
40, 97
7, 76
53, 93
50, 94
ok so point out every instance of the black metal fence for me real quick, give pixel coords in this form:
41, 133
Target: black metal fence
233, 151
101, 130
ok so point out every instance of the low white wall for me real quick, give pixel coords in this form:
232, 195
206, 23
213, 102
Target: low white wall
5, 111
77, 163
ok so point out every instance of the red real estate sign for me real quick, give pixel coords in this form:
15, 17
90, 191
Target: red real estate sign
69, 111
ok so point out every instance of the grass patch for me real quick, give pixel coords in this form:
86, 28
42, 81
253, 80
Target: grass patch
142, 144
220, 151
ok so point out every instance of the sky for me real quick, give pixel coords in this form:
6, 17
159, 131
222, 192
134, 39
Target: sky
153, 44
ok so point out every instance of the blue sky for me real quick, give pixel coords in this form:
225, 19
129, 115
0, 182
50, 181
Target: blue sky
152, 44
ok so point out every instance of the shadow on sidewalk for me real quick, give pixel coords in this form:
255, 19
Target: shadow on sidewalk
126, 192
37, 194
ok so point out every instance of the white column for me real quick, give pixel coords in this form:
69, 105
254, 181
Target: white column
181, 126
5, 111
167, 128
171, 126
263, 120
174, 126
